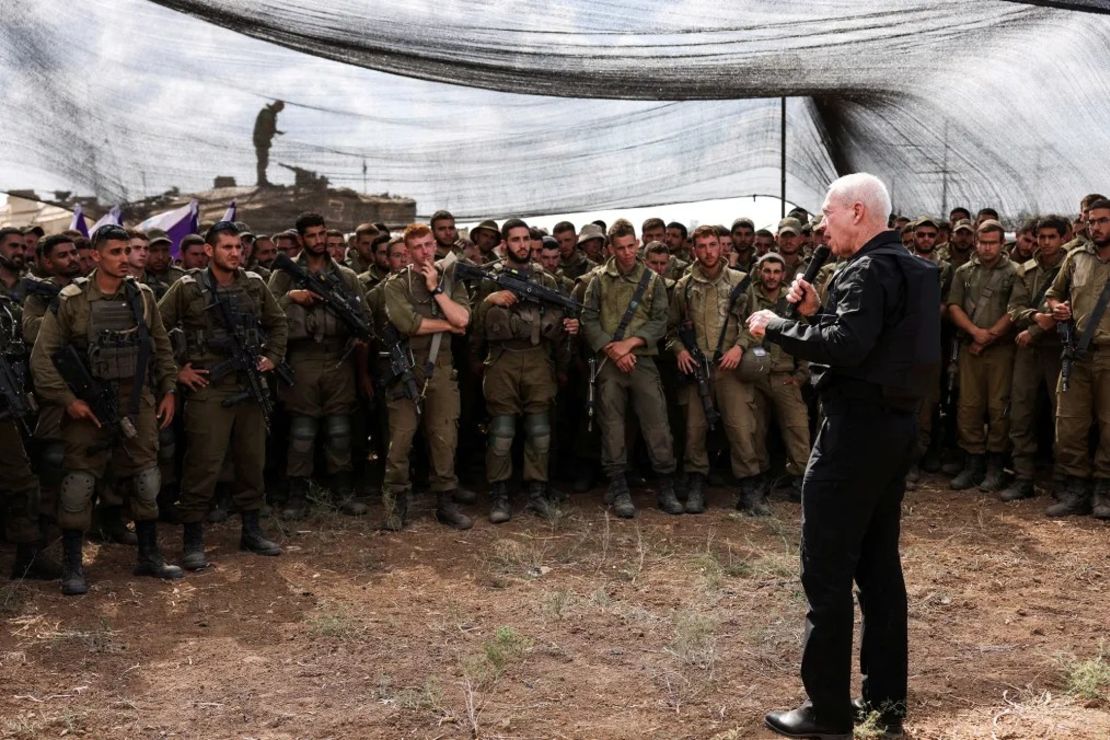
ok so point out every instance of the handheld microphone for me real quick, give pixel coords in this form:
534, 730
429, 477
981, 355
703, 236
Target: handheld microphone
816, 262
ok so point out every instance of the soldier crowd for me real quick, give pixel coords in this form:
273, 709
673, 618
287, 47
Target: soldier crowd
296, 363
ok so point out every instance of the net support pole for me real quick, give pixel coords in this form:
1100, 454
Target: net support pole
782, 158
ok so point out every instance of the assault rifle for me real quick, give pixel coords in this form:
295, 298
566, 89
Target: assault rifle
523, 288
591, 392
17, 402
1069, 353
701, 371
101, 397
48, 290
401, 363
952, 372
244, 347
337, 299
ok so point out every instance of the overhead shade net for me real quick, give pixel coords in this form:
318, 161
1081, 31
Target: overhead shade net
448, 102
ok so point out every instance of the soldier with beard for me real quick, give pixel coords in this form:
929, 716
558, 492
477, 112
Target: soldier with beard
219, 420
522, 338
12, 263
159, 266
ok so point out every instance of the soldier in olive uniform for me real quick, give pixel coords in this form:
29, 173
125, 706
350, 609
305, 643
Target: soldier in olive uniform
519, 380
320, 351
19, 489
159, 264
575, 264
425, 306
743, 243
379, 268
789, 246
221, 419
12, 263
629, 317
360, 255
779, 391
1037, 360
1075, 295
977, 303
109, 317
961, 246
710, 301
58, 258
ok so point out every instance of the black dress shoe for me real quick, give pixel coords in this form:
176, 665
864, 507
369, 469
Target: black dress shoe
802, 723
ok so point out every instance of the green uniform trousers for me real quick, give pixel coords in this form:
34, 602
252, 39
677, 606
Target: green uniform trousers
984, 396
1033, 367
929, 404
774, 395
102, 451
440, 421
1087, 401
18, 485
214, 433
735, 402
643, 387
325, 386
519, 382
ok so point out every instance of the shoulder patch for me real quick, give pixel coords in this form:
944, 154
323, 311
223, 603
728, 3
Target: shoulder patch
74, 288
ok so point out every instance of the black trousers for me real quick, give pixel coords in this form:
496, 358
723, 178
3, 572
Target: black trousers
851, 507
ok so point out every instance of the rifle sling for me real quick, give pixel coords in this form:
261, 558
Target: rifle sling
135, 301
732, 298
437, 338
1093, 320
629, 312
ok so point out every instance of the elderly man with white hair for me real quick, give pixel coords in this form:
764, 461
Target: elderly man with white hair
871, 348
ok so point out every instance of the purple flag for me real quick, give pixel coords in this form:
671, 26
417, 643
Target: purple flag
78, 221
229, 214
111, 217
178, 224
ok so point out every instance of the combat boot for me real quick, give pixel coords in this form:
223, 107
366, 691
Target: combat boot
449, 513
344, 493
695, 493
297, 504
753, 499
500, 509
151, 562
73, 573
618, 496
972, 475
253, 539
585, 478
995, 479
192, 547
395, 507
1100, 508
794, 490
110, 526
538, 502
930, 461
1071, 499
1020, 488
32, 563
665, 497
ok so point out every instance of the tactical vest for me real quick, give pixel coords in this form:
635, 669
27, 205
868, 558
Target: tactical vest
113, 340
212, 337
12, 346
317, 323
525, 323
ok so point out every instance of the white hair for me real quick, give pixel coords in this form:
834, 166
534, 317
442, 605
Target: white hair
861, 187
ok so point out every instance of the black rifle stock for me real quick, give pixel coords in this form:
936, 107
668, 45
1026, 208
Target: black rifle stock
1068, 353
100, 396
335, 297
401, 363
701, 375
523, 288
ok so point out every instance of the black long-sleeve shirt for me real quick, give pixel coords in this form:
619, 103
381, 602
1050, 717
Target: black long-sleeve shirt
866, 300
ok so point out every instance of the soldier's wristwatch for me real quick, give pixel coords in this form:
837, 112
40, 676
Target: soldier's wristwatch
438, 290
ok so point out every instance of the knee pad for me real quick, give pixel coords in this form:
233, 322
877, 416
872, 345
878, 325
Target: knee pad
302, 433
167, 444
537, 428
146, 485
77, 492
502, 429
338, 429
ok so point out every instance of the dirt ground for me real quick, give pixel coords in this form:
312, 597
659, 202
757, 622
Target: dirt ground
662, 627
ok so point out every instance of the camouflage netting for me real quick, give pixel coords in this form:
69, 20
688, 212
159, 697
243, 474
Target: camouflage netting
538, 107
